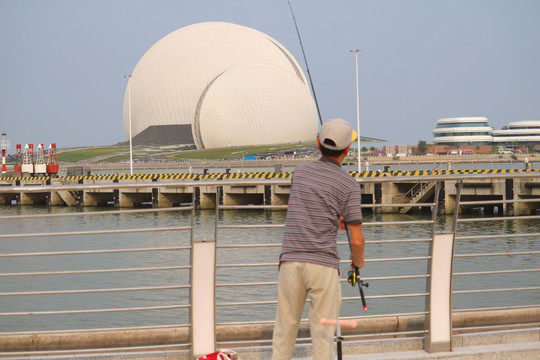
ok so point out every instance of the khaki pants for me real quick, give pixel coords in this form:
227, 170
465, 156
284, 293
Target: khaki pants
296, 281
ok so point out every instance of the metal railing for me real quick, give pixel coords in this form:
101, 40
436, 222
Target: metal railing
138, 262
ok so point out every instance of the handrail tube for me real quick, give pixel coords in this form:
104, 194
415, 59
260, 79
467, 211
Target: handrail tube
99, 271
266, 226
497, 272
87, 252
495, 290
95, 232
252, 207
368, 206
405, 222
94, 311
248, 284
388, 296
246, 265
414, 258
521, 217
377, 278
90, 213
502, 236
501, 201
269, 302
397, 277
87, 291
519, 253
389, 241
240, 246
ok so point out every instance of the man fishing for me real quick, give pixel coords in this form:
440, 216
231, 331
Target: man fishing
323, 199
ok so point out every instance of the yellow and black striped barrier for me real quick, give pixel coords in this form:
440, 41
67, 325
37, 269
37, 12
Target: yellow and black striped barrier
370, 174
263, 175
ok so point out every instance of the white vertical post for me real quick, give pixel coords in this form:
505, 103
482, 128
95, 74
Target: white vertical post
129, 117
357, 109
439, 302
203, 282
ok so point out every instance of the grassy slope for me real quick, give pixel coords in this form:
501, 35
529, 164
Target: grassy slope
85, 154
210, 154
227, 153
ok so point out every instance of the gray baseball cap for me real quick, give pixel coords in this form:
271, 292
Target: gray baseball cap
337, 134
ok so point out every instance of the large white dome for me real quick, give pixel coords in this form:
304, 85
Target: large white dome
228, 84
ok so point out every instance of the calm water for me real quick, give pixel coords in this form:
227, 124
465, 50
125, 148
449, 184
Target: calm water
374, 229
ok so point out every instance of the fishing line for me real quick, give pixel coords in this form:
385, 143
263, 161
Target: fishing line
305, 60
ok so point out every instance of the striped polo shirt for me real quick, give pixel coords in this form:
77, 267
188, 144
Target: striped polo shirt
321, 192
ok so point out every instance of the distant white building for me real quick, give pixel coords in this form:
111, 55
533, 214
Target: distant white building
463, 131
519, 132
473, 131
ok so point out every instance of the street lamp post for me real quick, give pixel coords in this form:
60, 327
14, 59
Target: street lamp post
129, 117
355, 51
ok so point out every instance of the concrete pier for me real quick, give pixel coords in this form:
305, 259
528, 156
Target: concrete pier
398, 191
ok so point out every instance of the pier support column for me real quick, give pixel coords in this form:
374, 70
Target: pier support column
162, 201
207, 197
56, 200
280, 194
124, 200
378, 197
89, 200
389, 192
25, 199
155, 197
449, 197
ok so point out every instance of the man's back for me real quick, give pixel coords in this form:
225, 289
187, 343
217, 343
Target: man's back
321, 193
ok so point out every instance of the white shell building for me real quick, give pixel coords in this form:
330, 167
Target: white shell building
221, 85
465, 131
462, 131
521, 132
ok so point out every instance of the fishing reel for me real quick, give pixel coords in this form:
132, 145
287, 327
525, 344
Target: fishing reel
354, 278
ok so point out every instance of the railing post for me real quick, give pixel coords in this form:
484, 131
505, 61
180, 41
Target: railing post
203, 285
438, 321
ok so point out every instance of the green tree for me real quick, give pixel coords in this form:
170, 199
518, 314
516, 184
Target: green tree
422, 146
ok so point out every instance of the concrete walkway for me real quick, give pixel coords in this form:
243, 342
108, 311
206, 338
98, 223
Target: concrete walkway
502, 345
520, 351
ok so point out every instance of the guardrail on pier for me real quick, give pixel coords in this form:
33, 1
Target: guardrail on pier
123, 280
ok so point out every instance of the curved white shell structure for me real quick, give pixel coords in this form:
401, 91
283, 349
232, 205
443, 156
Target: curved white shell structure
231, 85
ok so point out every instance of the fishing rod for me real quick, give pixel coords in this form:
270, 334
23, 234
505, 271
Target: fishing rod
354, 274
305, 60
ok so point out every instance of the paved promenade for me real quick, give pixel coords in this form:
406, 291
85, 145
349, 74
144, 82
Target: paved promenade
500, 345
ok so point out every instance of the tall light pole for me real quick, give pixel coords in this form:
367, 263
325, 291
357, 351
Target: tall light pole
355, 51
129, 117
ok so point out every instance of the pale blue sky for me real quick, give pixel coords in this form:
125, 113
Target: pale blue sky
62, 61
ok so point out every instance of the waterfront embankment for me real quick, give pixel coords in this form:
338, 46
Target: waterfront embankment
517, 161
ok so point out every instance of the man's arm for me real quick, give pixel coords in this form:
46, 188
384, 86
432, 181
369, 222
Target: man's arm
357, 244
